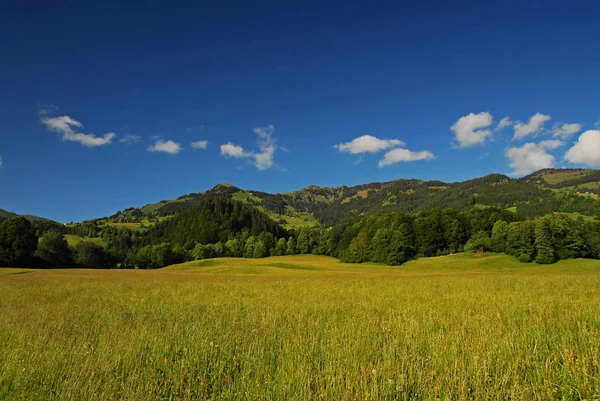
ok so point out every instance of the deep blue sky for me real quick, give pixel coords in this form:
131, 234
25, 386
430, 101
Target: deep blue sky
322, 74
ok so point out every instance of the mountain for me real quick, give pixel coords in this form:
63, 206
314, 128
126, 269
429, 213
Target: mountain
411, 217
586, 180
5, 215
537, 194
213, 219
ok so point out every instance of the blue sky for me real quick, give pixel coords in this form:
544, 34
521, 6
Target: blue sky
100, 102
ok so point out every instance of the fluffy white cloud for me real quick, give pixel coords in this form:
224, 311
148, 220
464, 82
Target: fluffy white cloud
267, 144
404, 155
468, 130
130, 139
565, 130
505, 122
367, 144
535, 125
200, 144
169, 147
529, 158
552, 144
231, 150
66, 126
586, 150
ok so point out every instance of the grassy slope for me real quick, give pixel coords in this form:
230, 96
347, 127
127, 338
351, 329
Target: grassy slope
304, 327
587, 179
75, 239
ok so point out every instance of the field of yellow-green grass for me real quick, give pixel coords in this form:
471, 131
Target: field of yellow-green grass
303, 328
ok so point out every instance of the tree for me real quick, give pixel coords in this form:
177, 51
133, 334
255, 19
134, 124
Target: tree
454, 234
479, 243
429, 235
499, 236
219, 249
88, 254
543, 243
200, 252
291, 246
54, 250
398, 249
249, 249
260, 250
280, 248
303, 246
520, 240
381, 245
18, 242
359, 250
234, 248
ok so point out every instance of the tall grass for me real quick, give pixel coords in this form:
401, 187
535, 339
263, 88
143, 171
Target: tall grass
299, 328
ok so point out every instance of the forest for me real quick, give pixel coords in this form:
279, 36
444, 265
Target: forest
220, 227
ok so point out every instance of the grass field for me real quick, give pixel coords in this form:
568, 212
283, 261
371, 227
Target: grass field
131, 226
75, 239
304, 327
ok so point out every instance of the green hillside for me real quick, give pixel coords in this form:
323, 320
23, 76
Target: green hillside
5, 214
535, 195
583, 180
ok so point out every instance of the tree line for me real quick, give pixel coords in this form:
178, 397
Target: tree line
220, 227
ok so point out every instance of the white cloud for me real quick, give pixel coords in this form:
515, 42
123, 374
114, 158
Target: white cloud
169, 146
535, 125
529, 158
597, 124
66, 126
200, 144
505, 122
367, 144
130, 139
468, 130
551, 144
267, 144
231, 150
404, 155
586, 150
0, 161
565, 130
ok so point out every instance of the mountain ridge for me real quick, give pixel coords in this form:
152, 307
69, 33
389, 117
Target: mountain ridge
315, 204
323, 205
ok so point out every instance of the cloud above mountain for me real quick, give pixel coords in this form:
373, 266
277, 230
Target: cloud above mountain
473, 129
68, 128
586, 150
367, 144
533, 126
264, 158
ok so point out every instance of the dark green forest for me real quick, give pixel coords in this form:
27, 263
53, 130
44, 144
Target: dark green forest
220, 227
538, 218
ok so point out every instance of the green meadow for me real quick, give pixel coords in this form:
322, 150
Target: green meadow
304, 328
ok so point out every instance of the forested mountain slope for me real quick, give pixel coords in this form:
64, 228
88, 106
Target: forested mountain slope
213, 219
534, 195
5, 215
